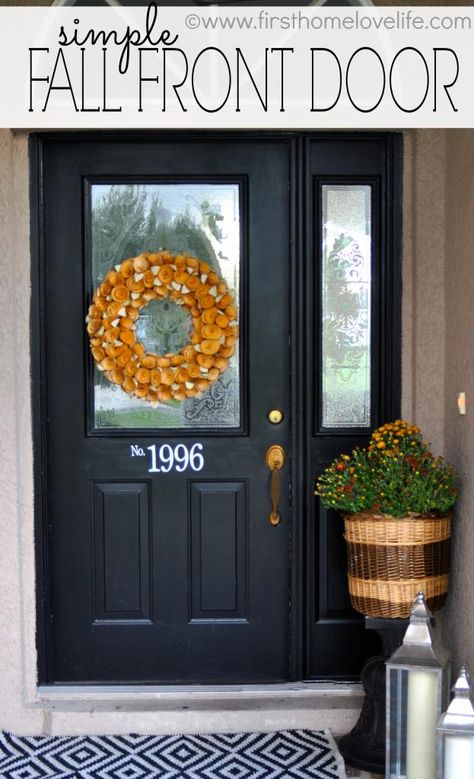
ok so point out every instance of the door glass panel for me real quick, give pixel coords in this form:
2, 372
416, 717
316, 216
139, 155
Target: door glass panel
201, 220
346, 292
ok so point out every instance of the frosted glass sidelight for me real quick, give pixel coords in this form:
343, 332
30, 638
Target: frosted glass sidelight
346, 301
200, 219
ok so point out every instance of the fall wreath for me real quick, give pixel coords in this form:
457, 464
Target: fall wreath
116, 305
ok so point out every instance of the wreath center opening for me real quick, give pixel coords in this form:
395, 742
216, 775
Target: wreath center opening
163, 327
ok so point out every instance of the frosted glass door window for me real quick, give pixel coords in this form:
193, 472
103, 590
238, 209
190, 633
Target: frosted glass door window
201, 220
346, 304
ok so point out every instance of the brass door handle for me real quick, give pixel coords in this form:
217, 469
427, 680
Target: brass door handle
275, 460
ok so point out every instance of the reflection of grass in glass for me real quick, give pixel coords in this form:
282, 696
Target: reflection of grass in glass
140, 417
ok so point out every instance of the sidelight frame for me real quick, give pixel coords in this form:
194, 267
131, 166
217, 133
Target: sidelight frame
324, 529
376, 357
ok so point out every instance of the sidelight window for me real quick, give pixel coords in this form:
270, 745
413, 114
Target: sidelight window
346, 252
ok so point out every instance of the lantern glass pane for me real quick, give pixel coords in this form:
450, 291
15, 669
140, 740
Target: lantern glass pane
397, 723
424, 696
458, 757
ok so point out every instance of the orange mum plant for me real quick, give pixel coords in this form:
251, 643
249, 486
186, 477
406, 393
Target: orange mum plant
396, 475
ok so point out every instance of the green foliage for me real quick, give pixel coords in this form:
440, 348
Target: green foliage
396, 475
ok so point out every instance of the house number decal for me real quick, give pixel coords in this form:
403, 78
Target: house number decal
166, 458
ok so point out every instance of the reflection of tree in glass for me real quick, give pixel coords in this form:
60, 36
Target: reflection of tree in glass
213, 218
345, 315
126, 222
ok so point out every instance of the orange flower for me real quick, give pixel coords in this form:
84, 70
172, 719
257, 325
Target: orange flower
209, 316
165, 274
126, 269
167, 376
193, 370
120, 293
209, 347
222, 320
127, 336
205, 360
143, 376
213, 332
148, 279
140, 264
207, 301
134, 285
181, 277
226, 300
192, 283
149, 361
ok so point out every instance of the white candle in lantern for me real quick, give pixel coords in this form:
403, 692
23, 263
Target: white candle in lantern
421, 725
458, 757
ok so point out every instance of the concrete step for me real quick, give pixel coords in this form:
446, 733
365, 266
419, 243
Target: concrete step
170, 710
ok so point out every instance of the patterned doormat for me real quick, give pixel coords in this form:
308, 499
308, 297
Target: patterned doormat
287, 753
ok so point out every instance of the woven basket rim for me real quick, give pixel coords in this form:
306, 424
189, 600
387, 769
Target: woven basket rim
383, 543
364, 529
374, 516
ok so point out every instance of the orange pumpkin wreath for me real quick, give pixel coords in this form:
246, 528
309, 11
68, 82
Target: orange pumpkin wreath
115, 308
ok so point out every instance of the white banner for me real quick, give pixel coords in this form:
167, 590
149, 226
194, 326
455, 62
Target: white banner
284, 67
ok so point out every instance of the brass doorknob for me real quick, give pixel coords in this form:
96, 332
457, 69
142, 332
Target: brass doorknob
275, 460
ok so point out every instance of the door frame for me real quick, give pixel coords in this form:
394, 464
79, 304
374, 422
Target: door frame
299, 298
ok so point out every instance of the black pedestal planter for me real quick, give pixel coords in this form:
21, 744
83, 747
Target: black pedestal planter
364, 746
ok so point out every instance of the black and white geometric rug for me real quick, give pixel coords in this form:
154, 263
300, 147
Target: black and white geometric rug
287, 753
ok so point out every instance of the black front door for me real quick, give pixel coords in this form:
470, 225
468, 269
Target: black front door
157, 562
164, 566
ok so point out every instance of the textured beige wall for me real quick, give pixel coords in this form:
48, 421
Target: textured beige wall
459, 430
423, 283
438, 336
17, 604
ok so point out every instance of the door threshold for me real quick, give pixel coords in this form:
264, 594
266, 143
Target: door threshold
112, 709
289, 692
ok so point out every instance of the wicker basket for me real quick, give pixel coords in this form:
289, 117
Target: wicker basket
390, 560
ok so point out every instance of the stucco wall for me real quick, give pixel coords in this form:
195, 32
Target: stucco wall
438, 337
438, 213
459, 430
423, 305
17, 604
